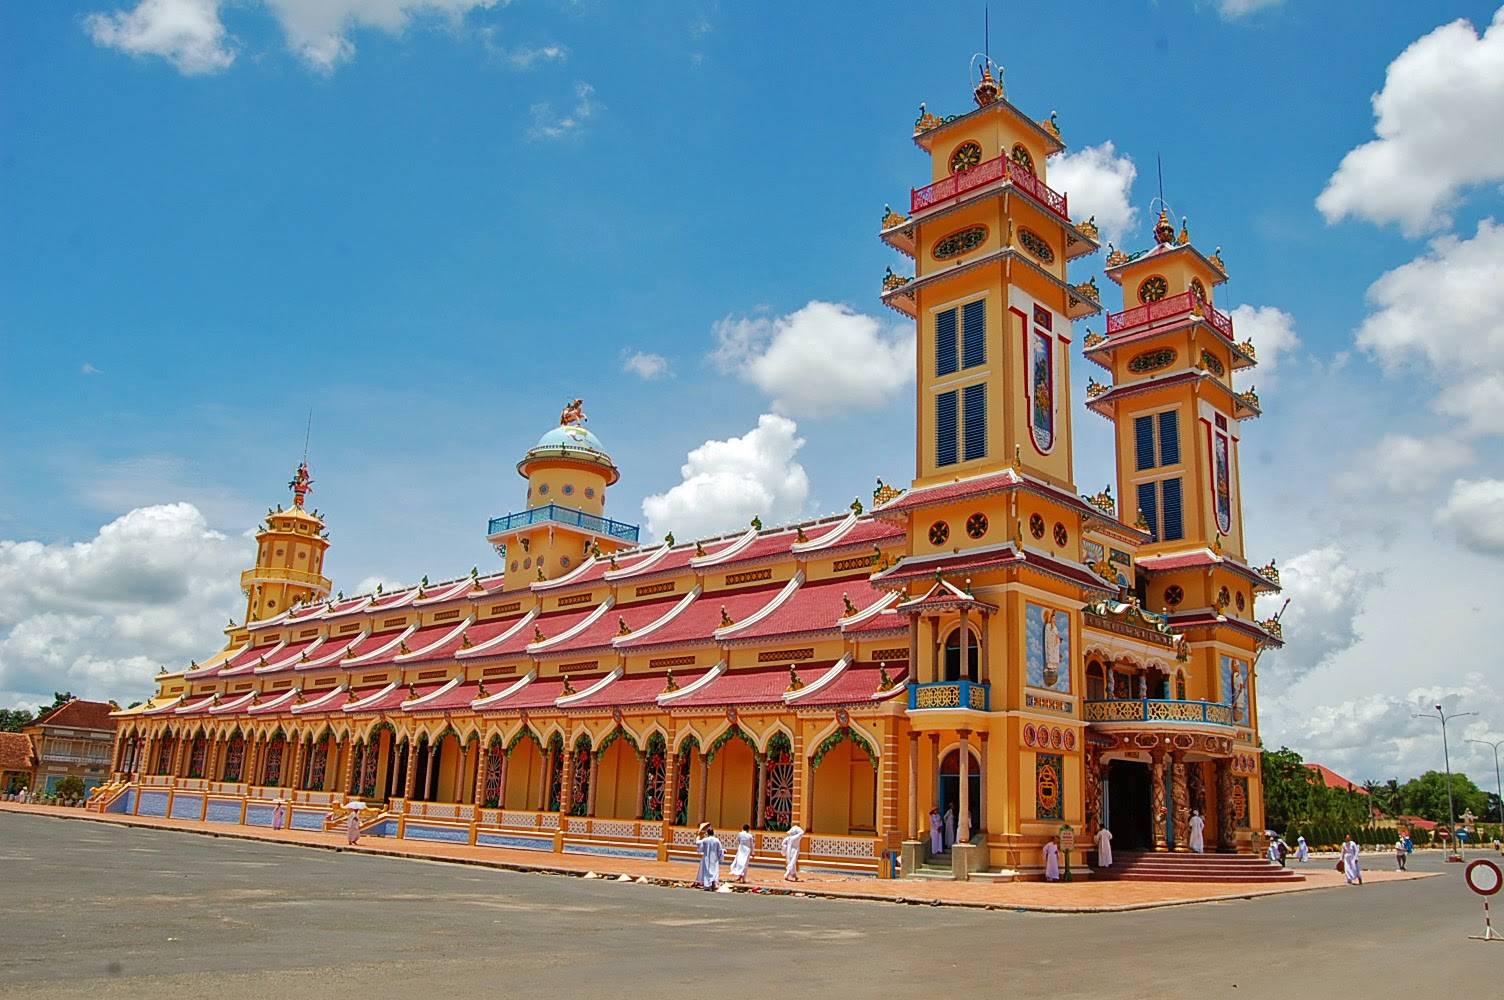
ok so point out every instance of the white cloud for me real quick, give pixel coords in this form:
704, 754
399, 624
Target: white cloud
1438, 118
547, 124
525, 57
319, 30
1233, 9
820, 360
726, 483
89, 369
187, 33
1475, 513
1098, 182
1446, 308
1406, 465
1272, 331
645, 365
152, 587
1326, 595
370, 583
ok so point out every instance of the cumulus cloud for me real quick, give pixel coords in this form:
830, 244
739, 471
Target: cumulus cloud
1443, 93
1272, 331
1475, 514
1444, 306
320, 30
822, 359
1326, 595
645, 365
549, 124
187, 33
152, 587
1406, 465
1098, 182
726, 483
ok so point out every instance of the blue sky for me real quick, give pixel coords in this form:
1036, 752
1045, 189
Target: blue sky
432, 223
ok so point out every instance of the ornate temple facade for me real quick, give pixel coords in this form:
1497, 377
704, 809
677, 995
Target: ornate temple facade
987, 641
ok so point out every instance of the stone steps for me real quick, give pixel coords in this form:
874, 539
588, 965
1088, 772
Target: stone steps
1175, 867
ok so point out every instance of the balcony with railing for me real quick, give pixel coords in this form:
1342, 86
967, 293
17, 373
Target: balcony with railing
68, 757
991, 171
554, 514
950, 694
1174, 306
1156, 711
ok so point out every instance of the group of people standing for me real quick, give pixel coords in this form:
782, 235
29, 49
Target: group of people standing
943, 830
713, 852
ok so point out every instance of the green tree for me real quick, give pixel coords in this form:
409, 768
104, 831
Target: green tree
13, 720
1289, 788
59, 699
71, 787
1426, 796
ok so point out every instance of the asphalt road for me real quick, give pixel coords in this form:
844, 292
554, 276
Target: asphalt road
97, 910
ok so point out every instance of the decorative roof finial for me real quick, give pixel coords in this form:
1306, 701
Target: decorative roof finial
301, 484
1164, 232
988, 89
574, 413
1185, 232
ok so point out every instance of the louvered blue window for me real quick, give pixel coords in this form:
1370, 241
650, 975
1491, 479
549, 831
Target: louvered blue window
945, 343
1143, 441
946, 421
1169, 438
974, 334
974, 406
1169, 495
1148, 506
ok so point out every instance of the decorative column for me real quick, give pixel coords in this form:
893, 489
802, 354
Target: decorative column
1090, 776
964, 670
670, 788
704, 784
1226, 822
595, 770
566, 783
482, 765
501, 786
347, 779
550, 762
984, 673
914, 831
802, 792
1182, 800
914, 647
963, 813
982, 783
935, 648
1157, 797
935, 770
410, 770
762, 790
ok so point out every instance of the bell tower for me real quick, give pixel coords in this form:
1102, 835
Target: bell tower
1171, 354
290, 547
564, 523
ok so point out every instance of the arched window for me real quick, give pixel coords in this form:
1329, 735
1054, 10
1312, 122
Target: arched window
953, 667
1096, 682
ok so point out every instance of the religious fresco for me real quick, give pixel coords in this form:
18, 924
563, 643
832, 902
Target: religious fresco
1222, 483
1048, 646
1235, 688
1240, 802
1042, 390
1049, 786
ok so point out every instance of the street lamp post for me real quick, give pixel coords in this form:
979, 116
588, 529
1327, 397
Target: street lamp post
1498, 785
1446, 755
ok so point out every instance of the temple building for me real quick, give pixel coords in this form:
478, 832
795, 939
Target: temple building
987, 642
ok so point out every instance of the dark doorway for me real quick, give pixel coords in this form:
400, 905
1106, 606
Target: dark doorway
1128, 804
950, 791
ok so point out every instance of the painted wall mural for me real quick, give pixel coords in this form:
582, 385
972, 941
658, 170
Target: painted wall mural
1042, 390
1222, 483
1048, 648
1235, 689
1049, 782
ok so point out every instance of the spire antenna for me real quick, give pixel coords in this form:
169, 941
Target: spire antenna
987, 32
1159, 166
307, 432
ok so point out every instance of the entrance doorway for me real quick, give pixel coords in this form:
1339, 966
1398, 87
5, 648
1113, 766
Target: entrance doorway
950, 791
1128, 805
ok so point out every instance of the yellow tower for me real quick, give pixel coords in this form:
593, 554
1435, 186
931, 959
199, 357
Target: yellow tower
564, 523
290, 549
1172, 353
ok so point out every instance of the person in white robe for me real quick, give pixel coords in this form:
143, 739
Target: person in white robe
712, 852
1104, 847
791, 853
1301, 850
1052, 861
1273, 852
352, 824
937, 832
1351, 869
744, 844
1198, 832
950, 825
279, 814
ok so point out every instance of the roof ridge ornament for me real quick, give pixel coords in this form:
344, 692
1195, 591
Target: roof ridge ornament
1164, 232
573, 413
988, 89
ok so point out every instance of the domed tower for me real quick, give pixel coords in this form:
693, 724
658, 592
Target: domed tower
290, 549
567, 473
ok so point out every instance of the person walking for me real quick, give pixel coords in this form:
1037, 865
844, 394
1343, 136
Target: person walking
1399, 856
744, 844
1052, 861
1351, 868
791, 853
352, 824
1104, 847
712, 852
1301, 850
1198, 835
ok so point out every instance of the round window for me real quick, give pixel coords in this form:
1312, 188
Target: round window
1153, 288
543, 489
1061, 535
1036, 525
1174, 595
590, 492
568, 489
939, 533
965, 156
976, 525
514, 565
1241, 601
1021, 156
563, 562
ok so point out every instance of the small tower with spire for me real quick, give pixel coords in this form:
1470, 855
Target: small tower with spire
290, 547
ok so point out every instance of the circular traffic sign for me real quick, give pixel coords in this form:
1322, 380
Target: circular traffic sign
1483, 877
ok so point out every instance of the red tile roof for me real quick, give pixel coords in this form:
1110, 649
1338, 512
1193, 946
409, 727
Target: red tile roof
858, 684
639, 689
456, 698
1202, 557
608, 626
1335, 780
814, 607
698, 622
15, 752
960, 489
762, 686
80, 714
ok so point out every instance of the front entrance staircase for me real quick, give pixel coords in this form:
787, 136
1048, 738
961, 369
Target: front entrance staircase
1170, 866
939, 868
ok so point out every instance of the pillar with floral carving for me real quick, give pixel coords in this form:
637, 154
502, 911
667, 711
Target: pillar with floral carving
1157, 797
1182, 799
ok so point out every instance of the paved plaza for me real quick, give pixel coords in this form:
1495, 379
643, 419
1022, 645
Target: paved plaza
106, 910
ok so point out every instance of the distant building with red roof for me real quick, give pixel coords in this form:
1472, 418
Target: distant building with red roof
76, 738
1332, 779
16, 761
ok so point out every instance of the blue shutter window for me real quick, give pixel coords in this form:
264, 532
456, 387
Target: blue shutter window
1169, 492
945, 428
1143, 441
945, 342
1149, 507
974, 334
1169, 438
974, 400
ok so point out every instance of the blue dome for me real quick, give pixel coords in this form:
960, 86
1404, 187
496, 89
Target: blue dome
571, 436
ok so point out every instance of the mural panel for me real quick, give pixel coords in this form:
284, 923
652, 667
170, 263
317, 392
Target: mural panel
1049, 786
1042, 390
1222, 487
1048, 645
1235, 689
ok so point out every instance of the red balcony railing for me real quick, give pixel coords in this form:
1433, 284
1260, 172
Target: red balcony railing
1168, 308
989, 172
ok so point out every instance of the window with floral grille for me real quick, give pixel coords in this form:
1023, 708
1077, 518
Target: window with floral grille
357, 766
778, 802
1174, 595
235, 758
368, 768
1241, 601
681, 783
272, 775
317, 765
976, 525
556, 751
1061, 535
939, 533
965, 156
196, 757
655, 765
491, 793
1036, 525
1021, 156
1153, 288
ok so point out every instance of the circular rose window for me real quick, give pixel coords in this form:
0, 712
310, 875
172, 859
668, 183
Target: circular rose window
1061, 535
1036, 525
976, 525
939, 533
1153, 288
1174, 595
